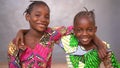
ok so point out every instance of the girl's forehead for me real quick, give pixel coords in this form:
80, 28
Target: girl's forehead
40, 8
84, 20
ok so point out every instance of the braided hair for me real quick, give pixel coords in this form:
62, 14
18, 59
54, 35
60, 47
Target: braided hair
35, 3
89, 14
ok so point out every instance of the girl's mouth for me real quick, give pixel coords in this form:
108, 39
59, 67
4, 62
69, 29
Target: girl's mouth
84, 39
41, 25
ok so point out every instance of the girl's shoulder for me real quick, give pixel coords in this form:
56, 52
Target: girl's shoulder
62, 29
56, 33
70, 43
69, 30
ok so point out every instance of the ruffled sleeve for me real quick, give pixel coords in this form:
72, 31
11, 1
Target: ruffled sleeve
57, 33
13, 59
69, 43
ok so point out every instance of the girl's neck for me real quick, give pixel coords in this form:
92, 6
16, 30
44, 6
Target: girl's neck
35, 33
89, 46
32, 38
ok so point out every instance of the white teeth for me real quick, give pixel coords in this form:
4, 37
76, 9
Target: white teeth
85, 39
41, 25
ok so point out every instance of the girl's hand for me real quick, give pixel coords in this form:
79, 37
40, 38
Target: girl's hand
19, 39
102, 50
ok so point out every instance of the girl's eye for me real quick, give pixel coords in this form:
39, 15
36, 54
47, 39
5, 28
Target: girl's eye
79, 30
37, 15
47, 16
90, 30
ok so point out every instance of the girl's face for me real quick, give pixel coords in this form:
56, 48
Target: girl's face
84, 31
39, 18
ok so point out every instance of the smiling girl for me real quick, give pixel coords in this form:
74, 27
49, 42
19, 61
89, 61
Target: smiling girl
38, 40
81, 50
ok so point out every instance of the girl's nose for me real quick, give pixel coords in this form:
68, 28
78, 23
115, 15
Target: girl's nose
43, 19
84, 33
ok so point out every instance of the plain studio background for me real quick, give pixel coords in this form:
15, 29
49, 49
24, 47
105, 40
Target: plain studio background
62, 13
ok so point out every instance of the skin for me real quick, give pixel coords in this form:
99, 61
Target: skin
39, 21
85, 30
101, 50
39, 18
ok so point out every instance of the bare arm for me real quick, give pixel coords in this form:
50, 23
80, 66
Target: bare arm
20, 37
102, 50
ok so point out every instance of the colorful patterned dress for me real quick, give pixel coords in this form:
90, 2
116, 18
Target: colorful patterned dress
78, 57
40, 56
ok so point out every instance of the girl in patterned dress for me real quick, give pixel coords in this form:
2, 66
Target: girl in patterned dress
38, 40
81, 51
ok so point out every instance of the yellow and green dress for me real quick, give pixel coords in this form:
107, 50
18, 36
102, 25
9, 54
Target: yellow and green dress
77, 57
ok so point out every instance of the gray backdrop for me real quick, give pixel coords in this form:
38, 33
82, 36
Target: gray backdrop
62, 13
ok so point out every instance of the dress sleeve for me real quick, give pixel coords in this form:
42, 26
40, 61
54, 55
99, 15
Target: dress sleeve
60, 44
61, 31
13, 59
57, 33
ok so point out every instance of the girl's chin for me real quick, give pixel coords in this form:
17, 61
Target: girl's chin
85, 43
41, 29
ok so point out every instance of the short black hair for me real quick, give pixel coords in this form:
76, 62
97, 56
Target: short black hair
85, 13
30, 7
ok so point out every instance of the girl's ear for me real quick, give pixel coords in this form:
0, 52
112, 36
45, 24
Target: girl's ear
27, 16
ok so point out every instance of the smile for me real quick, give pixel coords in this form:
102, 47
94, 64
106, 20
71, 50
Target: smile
85, 39
41, 24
